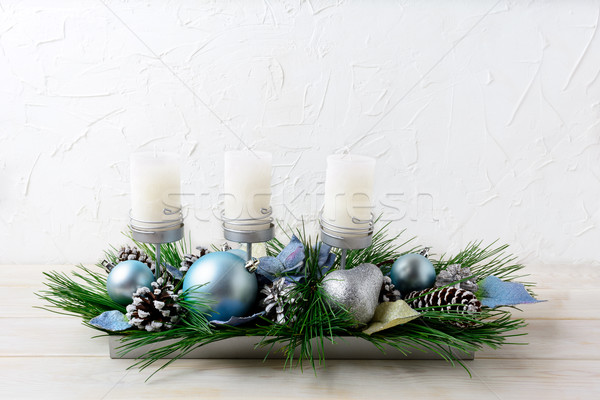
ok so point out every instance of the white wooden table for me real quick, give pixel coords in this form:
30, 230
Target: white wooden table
43, 355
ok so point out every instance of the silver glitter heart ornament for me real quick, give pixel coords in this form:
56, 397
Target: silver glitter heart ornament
356, 289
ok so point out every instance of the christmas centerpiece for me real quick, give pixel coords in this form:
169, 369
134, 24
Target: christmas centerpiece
301, 296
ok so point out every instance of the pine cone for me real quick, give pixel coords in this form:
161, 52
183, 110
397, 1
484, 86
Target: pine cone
189, 259
133, 253
388, 291
202, 250
277, 300
154, 310
458, 300
225, 246
454, 273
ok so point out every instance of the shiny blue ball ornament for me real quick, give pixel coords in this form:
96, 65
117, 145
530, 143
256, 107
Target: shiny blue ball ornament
229, 289
412, 272
239, 252
125, 278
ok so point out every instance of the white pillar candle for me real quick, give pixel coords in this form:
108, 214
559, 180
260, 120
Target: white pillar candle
348, 189
155, 188
247, 184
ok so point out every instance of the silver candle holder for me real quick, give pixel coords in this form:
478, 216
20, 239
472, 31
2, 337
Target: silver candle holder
158, 232
249, 230
345, 238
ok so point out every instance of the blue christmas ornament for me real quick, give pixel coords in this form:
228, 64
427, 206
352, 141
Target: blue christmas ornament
239, 252
126, 278
412, 272
229, 289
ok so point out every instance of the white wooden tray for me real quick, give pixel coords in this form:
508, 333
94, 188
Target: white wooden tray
345, 348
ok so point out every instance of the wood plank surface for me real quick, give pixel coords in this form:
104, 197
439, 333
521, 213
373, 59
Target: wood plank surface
44, 355
100, 377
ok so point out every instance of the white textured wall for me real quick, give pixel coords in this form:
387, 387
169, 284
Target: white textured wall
484, 115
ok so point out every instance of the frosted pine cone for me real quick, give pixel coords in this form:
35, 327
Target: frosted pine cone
388, 291
202, 251
225, 247
277, 300
454, 273
156, 309
456, 300
189, 259
133, 253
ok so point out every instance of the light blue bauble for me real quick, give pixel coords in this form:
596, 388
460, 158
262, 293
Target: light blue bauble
412, 272
239, 252
229, 289
124, 279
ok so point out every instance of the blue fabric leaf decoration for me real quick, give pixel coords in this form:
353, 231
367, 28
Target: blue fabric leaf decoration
494, 292
326, 258
235, 321
292, 256
113, 321
289, 263
270, 267
174, 272
324, 253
